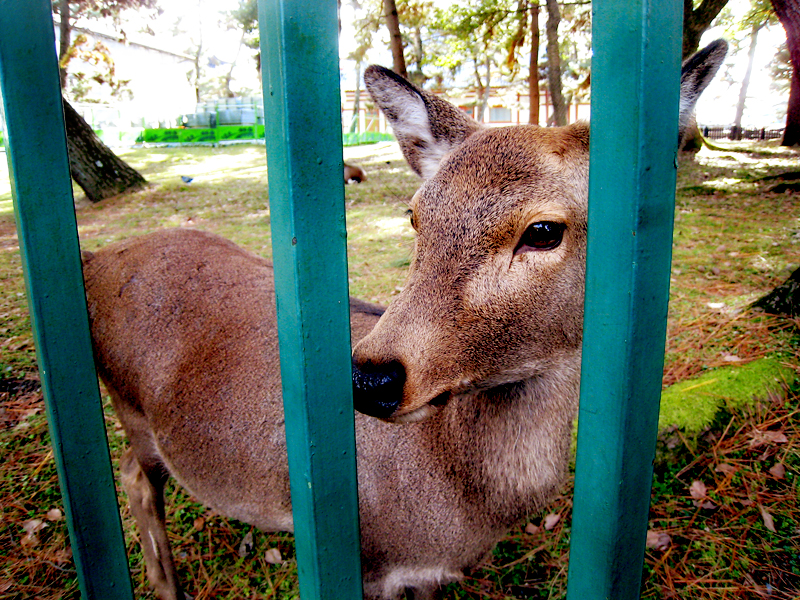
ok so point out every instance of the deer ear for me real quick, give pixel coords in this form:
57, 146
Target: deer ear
426, 127
696, 73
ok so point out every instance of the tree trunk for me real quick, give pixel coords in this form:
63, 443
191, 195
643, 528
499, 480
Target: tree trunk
487, 90
417, 76
788, 12
791, 134
693, 139
696, 21
226, 82
356, 120
784, 299
554, 64
736, 131
197, 70
479, 88
533, 83
92, 164
395, 39
64, 34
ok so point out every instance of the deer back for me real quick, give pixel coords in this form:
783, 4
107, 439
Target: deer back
184, 330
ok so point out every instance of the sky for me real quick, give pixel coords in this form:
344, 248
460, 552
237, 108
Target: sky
764, 106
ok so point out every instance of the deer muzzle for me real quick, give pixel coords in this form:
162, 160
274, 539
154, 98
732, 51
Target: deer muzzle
378, 388
378, 391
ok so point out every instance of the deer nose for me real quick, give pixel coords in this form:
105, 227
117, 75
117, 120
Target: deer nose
378, 388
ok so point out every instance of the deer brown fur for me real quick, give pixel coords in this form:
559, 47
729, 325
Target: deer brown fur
354, 174
473, 368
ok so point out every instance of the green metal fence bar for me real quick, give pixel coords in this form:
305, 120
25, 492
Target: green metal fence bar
304, 154
42, 190
635, 79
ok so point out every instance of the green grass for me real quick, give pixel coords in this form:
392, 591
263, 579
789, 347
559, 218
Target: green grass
734, 240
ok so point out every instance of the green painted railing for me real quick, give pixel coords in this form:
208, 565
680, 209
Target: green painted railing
48, 240
300, 63
635, 81
634, 78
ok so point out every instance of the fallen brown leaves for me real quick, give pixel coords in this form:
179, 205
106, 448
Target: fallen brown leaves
736, 531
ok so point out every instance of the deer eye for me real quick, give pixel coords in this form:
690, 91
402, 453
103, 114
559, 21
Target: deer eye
543, 235
412, 218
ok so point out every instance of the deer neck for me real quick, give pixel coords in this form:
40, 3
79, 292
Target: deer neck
510, 444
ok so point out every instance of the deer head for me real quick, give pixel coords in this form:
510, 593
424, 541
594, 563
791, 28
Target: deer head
494, 295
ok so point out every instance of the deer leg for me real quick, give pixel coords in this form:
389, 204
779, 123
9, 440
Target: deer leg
146, 497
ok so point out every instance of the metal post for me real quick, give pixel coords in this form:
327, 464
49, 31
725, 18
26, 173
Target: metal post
635, 79
304, 156
48, 235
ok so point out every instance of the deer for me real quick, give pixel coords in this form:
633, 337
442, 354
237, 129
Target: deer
466, 386
353, 174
